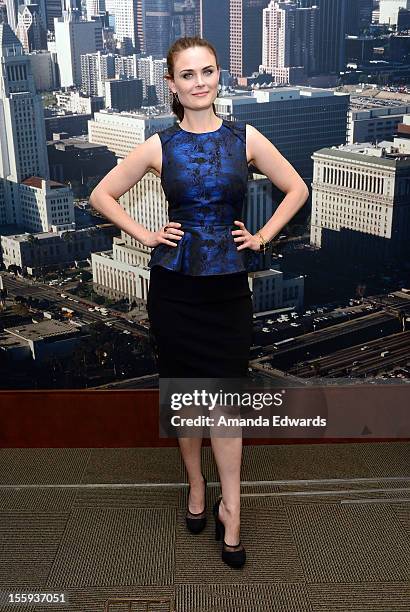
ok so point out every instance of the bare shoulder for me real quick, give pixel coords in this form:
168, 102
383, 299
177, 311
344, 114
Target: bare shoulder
143, 158
251, 136
153, 145
270, 162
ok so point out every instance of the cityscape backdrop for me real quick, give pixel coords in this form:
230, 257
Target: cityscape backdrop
82, 84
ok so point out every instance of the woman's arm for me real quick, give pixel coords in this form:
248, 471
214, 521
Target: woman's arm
265, 156
145, 157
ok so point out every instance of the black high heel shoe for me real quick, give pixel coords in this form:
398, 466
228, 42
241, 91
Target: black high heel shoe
233, 558
196, 522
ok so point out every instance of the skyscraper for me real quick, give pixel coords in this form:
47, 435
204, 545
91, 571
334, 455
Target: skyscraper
128, 23
31, 29
214, 20
389, 10
54, 10
94, 8
366, 10
73, 39
288, 44
330, 50
245, 36
184, 18
353, 17
96, 68
13, 8
23, 150
157, 32
27, 196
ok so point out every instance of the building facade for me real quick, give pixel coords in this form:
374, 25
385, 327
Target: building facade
121, 132
360, 201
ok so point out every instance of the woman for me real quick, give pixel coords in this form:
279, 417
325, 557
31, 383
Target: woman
199, 302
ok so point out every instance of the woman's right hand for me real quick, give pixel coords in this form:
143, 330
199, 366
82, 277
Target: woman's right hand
164, 235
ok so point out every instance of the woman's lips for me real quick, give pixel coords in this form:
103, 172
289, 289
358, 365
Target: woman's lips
202, 93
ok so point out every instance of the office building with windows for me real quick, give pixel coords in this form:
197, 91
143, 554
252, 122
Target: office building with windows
360, 200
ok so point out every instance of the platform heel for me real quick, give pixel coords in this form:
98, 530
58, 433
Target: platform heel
233, 558
196, 522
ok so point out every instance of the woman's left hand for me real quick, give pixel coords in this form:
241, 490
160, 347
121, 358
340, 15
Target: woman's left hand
248, 240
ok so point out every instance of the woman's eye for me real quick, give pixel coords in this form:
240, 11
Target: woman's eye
188, 74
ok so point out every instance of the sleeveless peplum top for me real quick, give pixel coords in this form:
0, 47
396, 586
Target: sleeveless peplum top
204, 177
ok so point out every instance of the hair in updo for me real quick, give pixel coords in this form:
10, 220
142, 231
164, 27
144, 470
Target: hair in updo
179, 45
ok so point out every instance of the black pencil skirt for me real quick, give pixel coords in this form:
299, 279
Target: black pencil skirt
200, 326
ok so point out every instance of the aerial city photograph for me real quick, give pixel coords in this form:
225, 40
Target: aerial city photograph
204, 190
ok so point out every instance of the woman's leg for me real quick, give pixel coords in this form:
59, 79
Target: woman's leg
191, 454
228, 454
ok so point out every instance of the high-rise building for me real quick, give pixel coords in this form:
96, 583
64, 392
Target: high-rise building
31, 29
44, 71
72, 6
126, 65
365, 12
389, 10
184, 18
74, 38
144, 71
288, 43
140, 48
94, 8
214, 26
152, 72
54, 10
358, 16
403, 20
3, 17
27, 196
353, 17
23, 142
12, 8
330, 50
95, 69
157, 32
159, 69
245, 35
126, 19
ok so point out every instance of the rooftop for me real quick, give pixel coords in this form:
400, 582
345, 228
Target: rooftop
42, 330
37, 181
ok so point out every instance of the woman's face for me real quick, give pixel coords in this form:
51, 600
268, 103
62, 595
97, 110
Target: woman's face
195, 72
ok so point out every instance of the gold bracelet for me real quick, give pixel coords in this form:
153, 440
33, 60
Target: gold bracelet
262, 242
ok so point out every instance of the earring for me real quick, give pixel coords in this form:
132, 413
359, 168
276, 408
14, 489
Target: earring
175, 96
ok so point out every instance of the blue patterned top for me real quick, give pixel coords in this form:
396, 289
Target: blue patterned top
204, 177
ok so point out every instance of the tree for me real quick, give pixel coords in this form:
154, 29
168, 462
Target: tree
13, 268
85, 275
